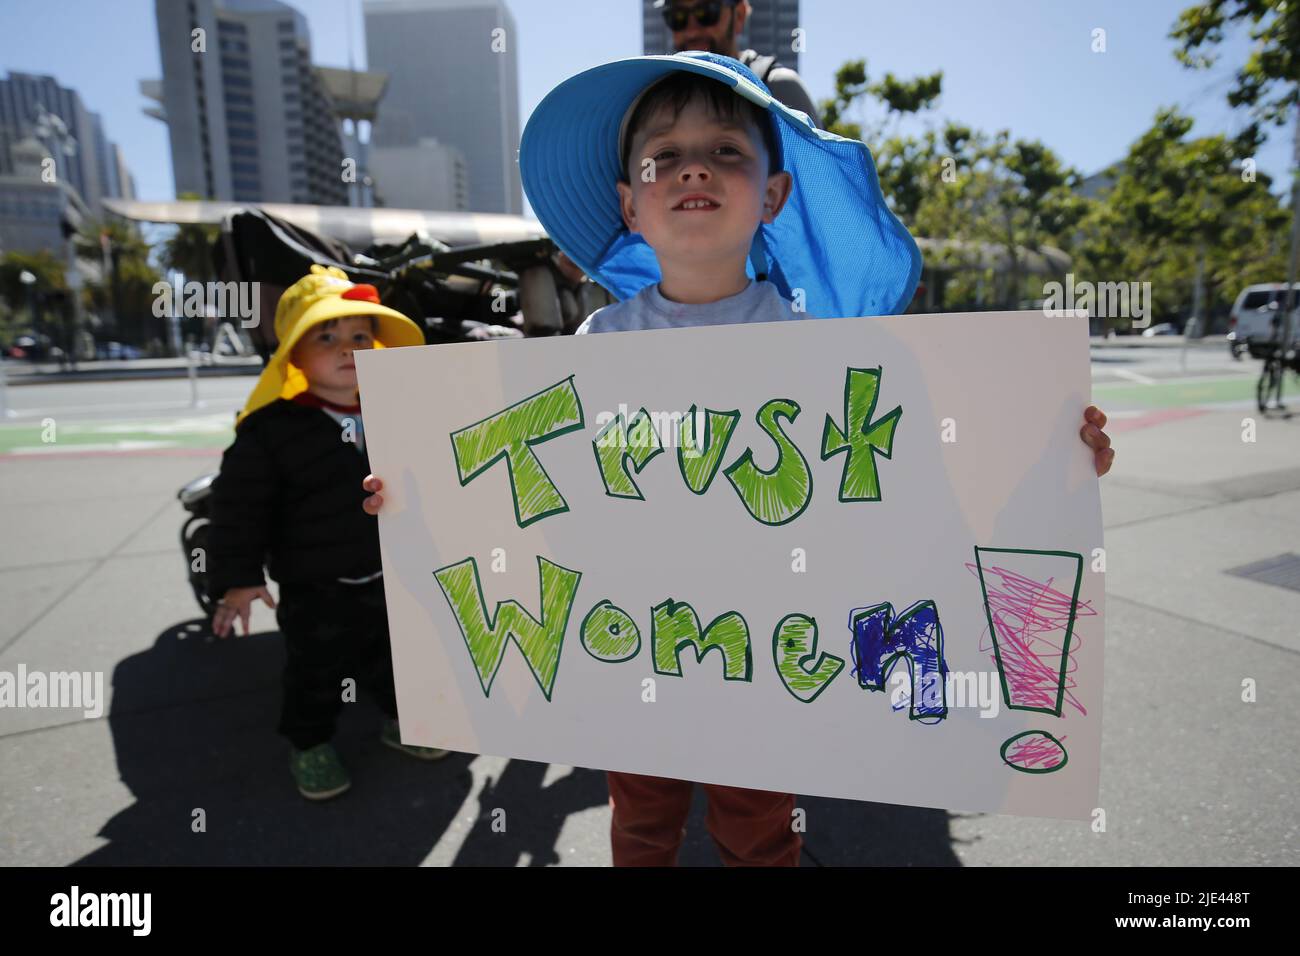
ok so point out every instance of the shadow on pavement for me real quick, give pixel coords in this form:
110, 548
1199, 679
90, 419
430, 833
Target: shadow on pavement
534, 814
851, 833
193, 723
846, 833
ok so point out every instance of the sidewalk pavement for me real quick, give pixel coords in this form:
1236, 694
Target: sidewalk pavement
92, 579
107, 370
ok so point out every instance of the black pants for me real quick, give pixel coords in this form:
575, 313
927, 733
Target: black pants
332, 632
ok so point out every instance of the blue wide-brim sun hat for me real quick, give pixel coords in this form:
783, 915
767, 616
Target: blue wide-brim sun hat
835, 238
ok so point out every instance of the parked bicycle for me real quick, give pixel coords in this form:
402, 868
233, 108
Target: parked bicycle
1276, 362
1278, 356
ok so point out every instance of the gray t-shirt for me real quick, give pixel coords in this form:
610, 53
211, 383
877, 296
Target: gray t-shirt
648, 309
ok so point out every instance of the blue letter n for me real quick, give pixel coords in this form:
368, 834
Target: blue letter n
880, 639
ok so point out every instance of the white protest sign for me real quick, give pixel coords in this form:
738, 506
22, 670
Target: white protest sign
848, 558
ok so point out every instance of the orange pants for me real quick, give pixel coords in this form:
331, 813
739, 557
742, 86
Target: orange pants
750, 827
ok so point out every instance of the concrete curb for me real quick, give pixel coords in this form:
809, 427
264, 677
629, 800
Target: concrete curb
127, 375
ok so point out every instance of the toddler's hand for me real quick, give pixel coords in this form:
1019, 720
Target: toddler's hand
1103, 455
372, 504
238, 603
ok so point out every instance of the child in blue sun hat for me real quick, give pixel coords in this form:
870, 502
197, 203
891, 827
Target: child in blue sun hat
681, 186
610, 156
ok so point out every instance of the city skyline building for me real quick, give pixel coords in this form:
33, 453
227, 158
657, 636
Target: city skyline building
247, 113
453, 68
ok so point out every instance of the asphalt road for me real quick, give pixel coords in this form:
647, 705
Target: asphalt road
123, 400
1135, 363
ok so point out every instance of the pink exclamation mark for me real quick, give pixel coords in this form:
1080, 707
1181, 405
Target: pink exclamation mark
1031, 602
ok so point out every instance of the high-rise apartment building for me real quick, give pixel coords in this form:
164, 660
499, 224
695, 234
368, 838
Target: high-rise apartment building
248, 117
83, 155
452, 69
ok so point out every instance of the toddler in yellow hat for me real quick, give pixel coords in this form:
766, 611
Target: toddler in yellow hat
287, 501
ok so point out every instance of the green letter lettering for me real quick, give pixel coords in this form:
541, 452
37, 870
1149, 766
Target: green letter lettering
610, 634
699, 461
794, 644
860, 437
540, 641
674, 626
618, 444
510, 434
780, 495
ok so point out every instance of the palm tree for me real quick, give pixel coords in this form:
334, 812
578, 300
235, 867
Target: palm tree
189, 250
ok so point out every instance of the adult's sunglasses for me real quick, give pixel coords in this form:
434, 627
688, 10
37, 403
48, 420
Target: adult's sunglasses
706, 13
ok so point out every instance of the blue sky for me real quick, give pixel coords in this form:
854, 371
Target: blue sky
1024, 65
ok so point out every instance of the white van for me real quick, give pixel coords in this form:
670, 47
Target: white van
1251, 318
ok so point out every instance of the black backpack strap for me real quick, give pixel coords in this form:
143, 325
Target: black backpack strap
761, 66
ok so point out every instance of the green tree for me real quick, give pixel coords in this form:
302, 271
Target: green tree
1267, 84
1180, 208
990, 198
48, 270
1269, 81
125, 291
898, 97
189, 249
956, 184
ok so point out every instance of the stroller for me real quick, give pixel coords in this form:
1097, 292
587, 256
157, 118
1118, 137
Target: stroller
463, 294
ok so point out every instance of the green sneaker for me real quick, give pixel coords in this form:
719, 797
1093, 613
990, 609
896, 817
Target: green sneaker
318, 772
392, 736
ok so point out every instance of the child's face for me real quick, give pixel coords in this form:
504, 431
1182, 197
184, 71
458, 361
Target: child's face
325, 353
700, 154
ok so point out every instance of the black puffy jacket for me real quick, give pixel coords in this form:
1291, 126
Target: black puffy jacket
289, 496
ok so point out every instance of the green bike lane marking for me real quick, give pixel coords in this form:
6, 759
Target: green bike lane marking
1178, 393
216, 432
31, 437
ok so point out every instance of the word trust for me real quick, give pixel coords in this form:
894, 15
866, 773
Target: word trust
772, 497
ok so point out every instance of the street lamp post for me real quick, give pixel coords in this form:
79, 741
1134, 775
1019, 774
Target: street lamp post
26, 278
29, 281
1289, 299
51, 129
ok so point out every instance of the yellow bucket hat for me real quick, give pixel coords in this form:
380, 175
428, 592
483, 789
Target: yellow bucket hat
324, 294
